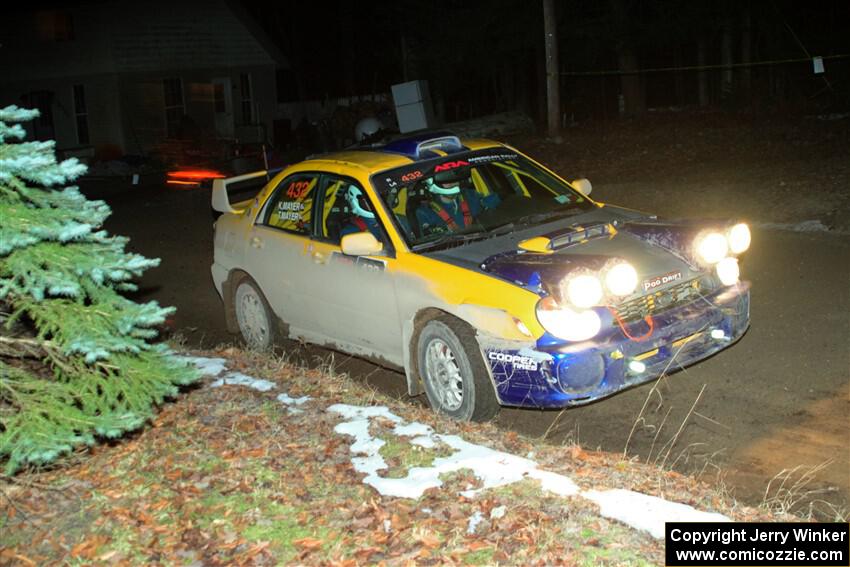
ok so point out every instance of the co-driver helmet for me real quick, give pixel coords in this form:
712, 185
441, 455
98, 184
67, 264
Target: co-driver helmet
357, 201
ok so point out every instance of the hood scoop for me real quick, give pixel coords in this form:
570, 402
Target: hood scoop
551, 242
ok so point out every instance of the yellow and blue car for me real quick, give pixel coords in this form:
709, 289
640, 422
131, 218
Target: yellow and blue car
487, 278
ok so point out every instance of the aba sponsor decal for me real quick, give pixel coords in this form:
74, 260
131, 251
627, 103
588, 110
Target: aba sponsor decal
652, 283
518, 361
450, 165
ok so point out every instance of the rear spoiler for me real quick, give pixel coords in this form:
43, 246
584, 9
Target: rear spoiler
220, 198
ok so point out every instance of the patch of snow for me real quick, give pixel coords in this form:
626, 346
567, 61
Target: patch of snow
414, 429
492, 468
363, 441
426, 442
495, 468
290, 401
239, 379
804, 226
352, 412
556, 483
207, 366
474, 520
644, 512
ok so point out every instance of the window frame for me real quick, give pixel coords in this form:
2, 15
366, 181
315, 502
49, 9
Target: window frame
246, 100
389, 249
264, 214
175, 133
81, 112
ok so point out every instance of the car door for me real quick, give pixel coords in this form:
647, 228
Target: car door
355, 295
276, 255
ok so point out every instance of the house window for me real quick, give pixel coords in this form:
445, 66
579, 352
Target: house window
218, 98
174, 107
81, 115
42, 127
247, 105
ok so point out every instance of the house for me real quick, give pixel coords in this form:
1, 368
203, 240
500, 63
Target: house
115, 78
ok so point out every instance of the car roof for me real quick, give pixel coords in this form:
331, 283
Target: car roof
404, 151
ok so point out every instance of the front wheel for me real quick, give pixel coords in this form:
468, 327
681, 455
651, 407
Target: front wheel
253, 315
453, 373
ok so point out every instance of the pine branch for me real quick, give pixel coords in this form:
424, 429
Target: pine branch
60, 303
12, 347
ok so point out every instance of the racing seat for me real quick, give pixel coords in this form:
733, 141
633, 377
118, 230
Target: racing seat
337, 218
417, 196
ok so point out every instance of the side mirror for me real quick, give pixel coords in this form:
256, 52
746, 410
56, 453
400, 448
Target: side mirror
583, 186
360, 244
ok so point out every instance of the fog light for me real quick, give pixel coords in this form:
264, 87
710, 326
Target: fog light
712, 247
621, 279
739, 238
728, 271
583, 290
718, 334
580, 374
637, 367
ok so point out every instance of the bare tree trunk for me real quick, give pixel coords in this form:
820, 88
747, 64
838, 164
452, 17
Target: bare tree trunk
630, 83
540, 76
553, 94
702, 76
679, 79
726, 61
631, 87
746, 54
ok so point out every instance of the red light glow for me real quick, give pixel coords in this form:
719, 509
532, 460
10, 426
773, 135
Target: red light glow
192, 176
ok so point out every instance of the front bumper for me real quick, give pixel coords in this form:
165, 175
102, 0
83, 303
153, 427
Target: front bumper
560, 374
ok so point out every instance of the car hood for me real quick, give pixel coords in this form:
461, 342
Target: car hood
587, 242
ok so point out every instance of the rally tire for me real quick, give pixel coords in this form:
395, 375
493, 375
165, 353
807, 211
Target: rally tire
254, 318
453, 373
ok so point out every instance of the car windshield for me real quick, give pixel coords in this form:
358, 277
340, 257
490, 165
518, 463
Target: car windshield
472, 195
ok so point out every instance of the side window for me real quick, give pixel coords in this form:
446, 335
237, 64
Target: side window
345, 210
291, 208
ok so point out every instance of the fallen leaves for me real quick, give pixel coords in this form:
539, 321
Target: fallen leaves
308, 543
227, 477
87, 549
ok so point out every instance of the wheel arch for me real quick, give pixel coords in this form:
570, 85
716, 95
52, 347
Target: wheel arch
411, 331
228, 291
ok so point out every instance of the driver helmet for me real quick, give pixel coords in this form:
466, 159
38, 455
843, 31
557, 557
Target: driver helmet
446, 182
357, 201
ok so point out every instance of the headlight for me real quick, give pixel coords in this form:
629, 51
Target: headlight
712, 247
621, 279
583, 290
566, 323
728, 271
739, 238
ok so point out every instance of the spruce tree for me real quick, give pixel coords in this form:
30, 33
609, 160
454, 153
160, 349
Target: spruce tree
77, 361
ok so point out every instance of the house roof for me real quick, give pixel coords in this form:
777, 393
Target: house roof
108, 36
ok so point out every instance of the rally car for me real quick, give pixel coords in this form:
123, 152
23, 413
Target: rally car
490, 280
